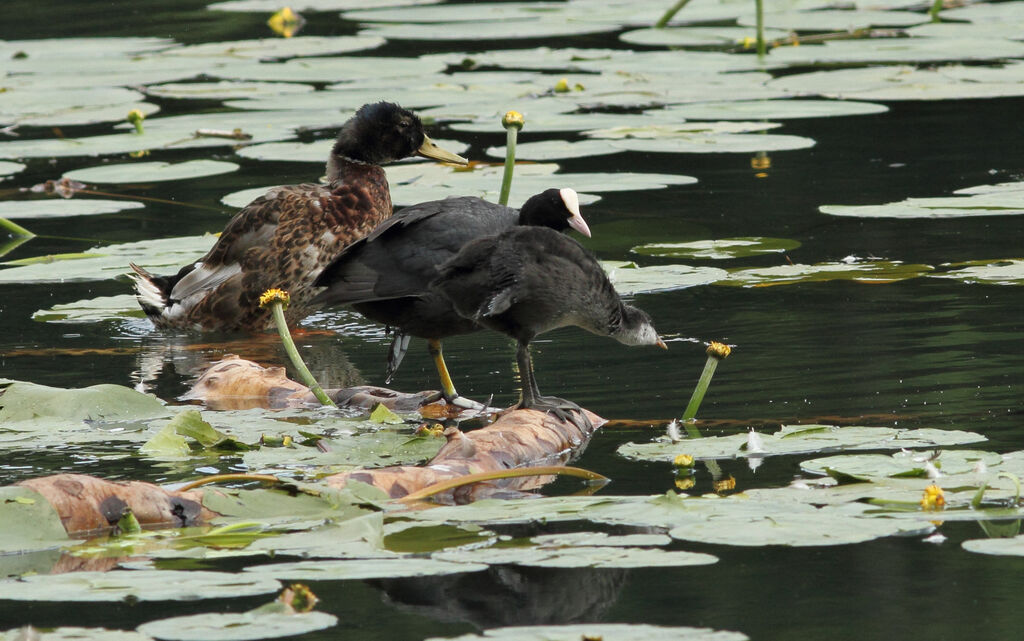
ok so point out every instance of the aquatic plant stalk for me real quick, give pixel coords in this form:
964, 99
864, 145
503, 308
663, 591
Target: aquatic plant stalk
469, 479
512, 122
715, 352
668, 15
933, 12
278, 300
761, 50
14, 228
218, 478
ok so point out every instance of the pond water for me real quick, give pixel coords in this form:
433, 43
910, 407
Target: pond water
921, 352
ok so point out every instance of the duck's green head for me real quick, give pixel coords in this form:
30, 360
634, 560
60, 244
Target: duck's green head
383, 132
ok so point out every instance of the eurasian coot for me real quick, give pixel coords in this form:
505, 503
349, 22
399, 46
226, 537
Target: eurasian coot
530, 280
386, 276
284, 237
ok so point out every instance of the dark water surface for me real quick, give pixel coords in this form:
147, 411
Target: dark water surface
925, 353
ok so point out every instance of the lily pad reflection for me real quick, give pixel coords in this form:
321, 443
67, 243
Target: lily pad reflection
721, 249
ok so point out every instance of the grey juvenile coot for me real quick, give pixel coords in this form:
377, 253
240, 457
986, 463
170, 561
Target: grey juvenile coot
284, 237
386, 276
530, 280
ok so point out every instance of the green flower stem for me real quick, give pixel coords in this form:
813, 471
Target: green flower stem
513, 122
933, 13
14, 228
289, 346
761, 49
668, 15
701, 389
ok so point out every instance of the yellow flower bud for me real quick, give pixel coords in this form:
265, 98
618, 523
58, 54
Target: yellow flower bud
718, 350
513, 119
275, 295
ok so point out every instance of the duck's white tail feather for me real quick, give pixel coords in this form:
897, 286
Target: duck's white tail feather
152, 299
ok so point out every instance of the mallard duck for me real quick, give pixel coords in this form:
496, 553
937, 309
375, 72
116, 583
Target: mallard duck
386, 275
283, 238
530, 280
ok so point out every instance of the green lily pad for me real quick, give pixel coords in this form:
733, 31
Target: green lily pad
147, 172
332, 69
1003, 202
683, 139
600, 539
10, 168
141, 585
860, 271
986, 12
988, 272
865, 467
610, 631
359, 569
721, 249
886, 83
1009, 30
630, 279
92, 310
578, 557
835, 19
63, 207
237, 626
775, 109
697, 36
29, 402
226, 90
270, 6
28, 522
997, 547
277, 48
894, 50
798, 439
557, 149
101, 263
70, 633
32, 105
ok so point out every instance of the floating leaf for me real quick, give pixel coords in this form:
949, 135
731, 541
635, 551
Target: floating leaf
997, 547
914, 50
989, 272
41, 106
276, 48
268, 6
333, 69
683, 139
610, 631
166, 444
1003, 202
147, 172
69, 633
496, 30
865, 467
579, 557
799, 439
886, 83
140, 585
10, 168
92, 310
630, 279
557, 149
28, 522
63, 207
835, 20
358, 569
697, 36
775, 109
721, 249
22, 401
877, 272
227, 90
238, 626
100, 263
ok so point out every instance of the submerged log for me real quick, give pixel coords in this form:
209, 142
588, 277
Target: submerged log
517, 439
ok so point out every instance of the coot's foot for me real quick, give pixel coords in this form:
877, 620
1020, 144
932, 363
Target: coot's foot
560, 408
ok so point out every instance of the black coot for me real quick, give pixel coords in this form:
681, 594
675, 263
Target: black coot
530, 280
386, 275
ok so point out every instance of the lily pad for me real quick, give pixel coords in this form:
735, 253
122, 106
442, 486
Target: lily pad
40, 106
683, 139
269, 6
697, 36
70, 633
1004, 202
799, 439
865, 467
860, 271
578, 557
237, 626
147, 172
92, 310
29, 402
10, 168
775, 109
141, 585
332, 69
721, 249
557, 149
900, 82
359, 569
990, 272
226, 90
997, 547
277, 48
630, 279
63, 207
913, 50
835, 19
610, 631
100, 263
28, 522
